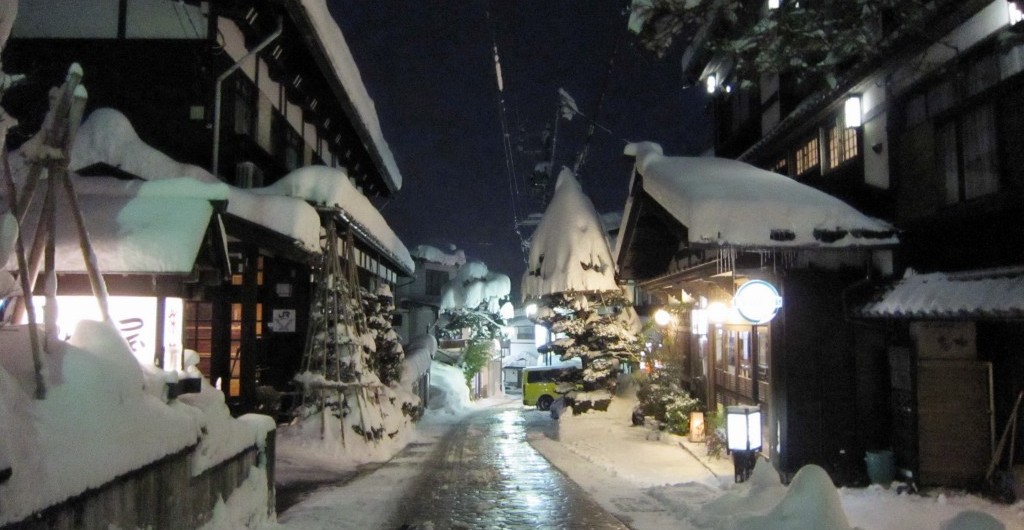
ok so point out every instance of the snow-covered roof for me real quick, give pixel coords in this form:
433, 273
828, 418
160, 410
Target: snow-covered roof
128, 231
157, 225
330, 187
568, 250
989, 293
725, 202
433, 254
336, 50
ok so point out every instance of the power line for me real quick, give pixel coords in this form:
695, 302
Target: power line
506, 138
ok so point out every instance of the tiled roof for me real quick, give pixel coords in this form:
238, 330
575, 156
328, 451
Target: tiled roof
978, 294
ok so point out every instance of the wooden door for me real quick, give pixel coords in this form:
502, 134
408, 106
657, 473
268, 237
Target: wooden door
954, 403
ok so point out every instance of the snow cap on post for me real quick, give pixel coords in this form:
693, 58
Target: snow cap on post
568, 251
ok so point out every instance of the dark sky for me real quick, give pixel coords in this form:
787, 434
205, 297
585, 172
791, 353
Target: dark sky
429, 67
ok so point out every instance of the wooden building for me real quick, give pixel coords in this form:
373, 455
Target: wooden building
706, 231
931, 148
252, 91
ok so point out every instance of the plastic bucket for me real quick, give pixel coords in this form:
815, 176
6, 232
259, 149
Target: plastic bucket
881, 467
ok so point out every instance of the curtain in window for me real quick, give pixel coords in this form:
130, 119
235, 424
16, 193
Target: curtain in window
945, 142
980, 154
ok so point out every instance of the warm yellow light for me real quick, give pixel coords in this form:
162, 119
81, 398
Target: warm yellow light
852, 112
718, 313
696, 426
662, 317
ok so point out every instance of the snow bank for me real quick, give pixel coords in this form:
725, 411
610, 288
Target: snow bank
811, 501
449, 393
103, 416
419, 354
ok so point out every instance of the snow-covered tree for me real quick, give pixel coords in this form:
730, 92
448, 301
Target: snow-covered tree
386, 361
570, 274
347, 387
812, 40
471, 309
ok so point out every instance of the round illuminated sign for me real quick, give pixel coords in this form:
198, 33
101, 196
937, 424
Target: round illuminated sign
757, 301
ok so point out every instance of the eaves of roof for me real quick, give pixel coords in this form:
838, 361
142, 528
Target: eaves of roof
299, 16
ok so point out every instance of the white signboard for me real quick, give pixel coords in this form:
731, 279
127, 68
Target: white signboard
135, 318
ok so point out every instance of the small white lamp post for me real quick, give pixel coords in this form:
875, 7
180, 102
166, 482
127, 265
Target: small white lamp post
743, 437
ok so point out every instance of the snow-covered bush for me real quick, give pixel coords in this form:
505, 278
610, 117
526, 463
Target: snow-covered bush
661, 397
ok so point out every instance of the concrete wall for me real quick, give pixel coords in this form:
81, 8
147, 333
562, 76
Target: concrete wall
161, 496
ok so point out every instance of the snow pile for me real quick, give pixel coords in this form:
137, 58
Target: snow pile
108, 137
246, 507
449, 393
760, 493
325, 186
726, 202
568, 250
811, 501
435, 255
474, 285
103, 416
418, 356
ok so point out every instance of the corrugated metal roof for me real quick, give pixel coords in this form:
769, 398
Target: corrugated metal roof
978, 294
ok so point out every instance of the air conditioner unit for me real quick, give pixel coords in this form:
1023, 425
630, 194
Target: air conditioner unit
248, 175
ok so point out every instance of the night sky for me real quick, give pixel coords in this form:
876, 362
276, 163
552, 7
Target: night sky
429, 67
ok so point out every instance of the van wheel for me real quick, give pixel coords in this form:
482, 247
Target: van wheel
544, 402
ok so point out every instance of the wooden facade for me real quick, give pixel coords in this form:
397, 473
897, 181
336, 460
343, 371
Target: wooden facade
282, 106
936, 156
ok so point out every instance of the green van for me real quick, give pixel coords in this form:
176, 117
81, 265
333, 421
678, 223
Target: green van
539, 383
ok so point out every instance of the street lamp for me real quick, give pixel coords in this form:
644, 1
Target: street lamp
743, 437
662, 317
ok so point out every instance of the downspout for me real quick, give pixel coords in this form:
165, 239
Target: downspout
217, 89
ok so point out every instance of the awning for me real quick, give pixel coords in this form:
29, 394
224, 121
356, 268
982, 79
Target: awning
990, 294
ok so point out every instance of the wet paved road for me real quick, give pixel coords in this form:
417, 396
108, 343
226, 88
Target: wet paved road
484, 475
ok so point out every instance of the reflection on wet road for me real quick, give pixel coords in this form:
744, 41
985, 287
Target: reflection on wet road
484, 474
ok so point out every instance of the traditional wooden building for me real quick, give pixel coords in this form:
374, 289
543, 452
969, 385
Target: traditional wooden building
251, 91
924, 137
707, 232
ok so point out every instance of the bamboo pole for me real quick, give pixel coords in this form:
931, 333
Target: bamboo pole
26, 288
96, 281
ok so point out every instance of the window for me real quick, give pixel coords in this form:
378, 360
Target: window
524, 332
198, 323
245, 104
807, 157
968, 154
781, 167
436, 281
842, 143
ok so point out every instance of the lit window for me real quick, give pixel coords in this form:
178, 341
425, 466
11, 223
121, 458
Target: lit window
807, 157
842, 144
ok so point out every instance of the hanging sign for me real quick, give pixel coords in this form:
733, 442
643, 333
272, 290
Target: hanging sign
757, 301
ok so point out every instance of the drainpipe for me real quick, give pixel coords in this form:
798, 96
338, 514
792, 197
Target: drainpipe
220, 81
